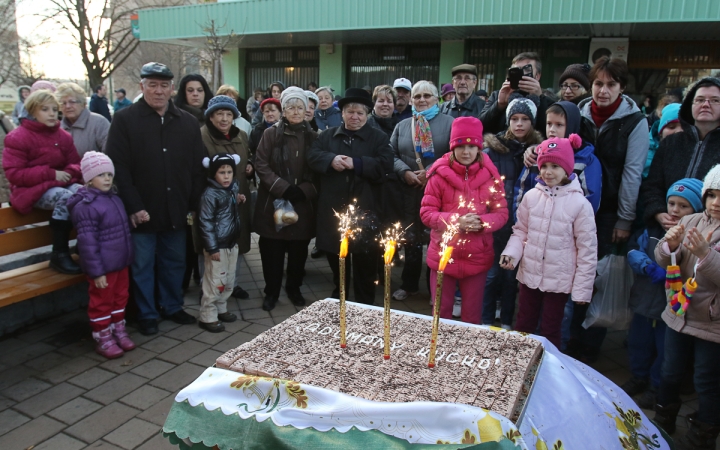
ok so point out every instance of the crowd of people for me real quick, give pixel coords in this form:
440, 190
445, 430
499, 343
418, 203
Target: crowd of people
539, 188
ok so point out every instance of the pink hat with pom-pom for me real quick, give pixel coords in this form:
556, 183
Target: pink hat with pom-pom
559, 151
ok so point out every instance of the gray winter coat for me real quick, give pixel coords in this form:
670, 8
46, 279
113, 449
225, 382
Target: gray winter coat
89, 132
404, 152
635, 157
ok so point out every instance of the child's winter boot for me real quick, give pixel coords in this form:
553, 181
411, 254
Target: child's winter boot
121, 336
106, 344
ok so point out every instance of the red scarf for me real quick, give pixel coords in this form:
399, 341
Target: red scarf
600, 115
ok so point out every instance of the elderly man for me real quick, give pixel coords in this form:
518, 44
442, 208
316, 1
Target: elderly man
157, 151
121, 100
465, 103
99, 102
351, 162
690, 154
88, 130
403, 109
493, 114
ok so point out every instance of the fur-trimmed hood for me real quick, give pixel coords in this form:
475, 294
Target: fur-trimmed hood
500, 143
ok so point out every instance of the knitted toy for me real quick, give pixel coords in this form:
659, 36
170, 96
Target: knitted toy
678, 294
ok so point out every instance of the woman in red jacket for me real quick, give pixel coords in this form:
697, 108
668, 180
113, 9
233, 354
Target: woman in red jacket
43, 169
465, 190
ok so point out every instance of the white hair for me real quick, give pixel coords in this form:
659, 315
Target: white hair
423, 86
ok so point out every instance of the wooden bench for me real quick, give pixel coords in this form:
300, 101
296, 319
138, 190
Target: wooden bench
30, 281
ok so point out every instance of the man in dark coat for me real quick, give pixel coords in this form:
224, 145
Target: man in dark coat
99, 103
690, 154
351, 161
465, 103
157, 151
493, 114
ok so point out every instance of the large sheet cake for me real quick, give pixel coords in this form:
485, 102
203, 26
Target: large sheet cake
475, 366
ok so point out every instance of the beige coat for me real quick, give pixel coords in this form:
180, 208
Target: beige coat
238, 145
702, 318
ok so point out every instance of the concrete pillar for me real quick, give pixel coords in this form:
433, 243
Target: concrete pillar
452, 53
234, 69
333, 67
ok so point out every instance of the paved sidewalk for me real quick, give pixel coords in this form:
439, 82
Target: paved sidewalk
56, 393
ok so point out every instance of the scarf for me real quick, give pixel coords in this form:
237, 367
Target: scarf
600, 115
422, 136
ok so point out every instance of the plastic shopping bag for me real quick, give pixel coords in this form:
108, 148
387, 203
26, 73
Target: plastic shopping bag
609, 307
284, 214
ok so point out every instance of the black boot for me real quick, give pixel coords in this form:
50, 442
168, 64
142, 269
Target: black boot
665, 416
60, 259
699, 436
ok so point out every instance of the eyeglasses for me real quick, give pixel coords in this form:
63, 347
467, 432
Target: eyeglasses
466, 78
426, 96
295, 108
69, 103
715, 101
572, 87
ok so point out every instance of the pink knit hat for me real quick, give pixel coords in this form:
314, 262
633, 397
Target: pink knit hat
94, 164
466, 131
43, 84
559, 151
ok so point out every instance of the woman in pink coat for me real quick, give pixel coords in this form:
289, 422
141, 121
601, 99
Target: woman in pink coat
555, 240
464, 189
43, 169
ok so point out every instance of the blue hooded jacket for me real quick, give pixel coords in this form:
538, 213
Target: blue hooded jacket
669, 114
587, 166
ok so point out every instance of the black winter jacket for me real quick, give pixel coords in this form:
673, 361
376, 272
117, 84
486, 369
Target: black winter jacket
372, 160
494, 121
158, 164
472, 107
219, 217
681, 155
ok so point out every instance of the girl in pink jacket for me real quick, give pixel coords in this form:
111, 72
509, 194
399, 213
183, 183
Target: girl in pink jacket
464, 188
555, 241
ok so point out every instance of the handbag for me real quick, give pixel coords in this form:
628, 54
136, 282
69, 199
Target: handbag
609, 307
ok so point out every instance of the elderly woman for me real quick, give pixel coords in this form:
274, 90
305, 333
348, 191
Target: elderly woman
429, 131
574, 83
271, 109
351, 161
193, 95
220, 135
313, 102
381, 117
284, 174
239, 121
615, 125
326, 115
88, 129
43, 168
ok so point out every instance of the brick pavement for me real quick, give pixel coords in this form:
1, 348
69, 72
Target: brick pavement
56, 393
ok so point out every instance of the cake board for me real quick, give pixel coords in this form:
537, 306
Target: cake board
588, 406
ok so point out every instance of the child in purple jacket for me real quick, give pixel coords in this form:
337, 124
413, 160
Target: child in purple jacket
106, 251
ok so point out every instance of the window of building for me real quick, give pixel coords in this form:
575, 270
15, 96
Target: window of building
295, 66
376, 65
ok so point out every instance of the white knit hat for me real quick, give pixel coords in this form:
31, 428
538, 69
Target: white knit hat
712, 180
291, 93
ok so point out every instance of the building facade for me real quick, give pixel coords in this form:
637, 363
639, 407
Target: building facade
667, 43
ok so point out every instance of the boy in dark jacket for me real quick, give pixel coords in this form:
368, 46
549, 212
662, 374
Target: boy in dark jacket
219, 228
646, 337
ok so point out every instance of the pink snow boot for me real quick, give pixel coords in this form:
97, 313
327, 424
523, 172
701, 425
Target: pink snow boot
121, 336
106, 345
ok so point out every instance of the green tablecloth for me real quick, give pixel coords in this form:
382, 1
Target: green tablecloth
206, 429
